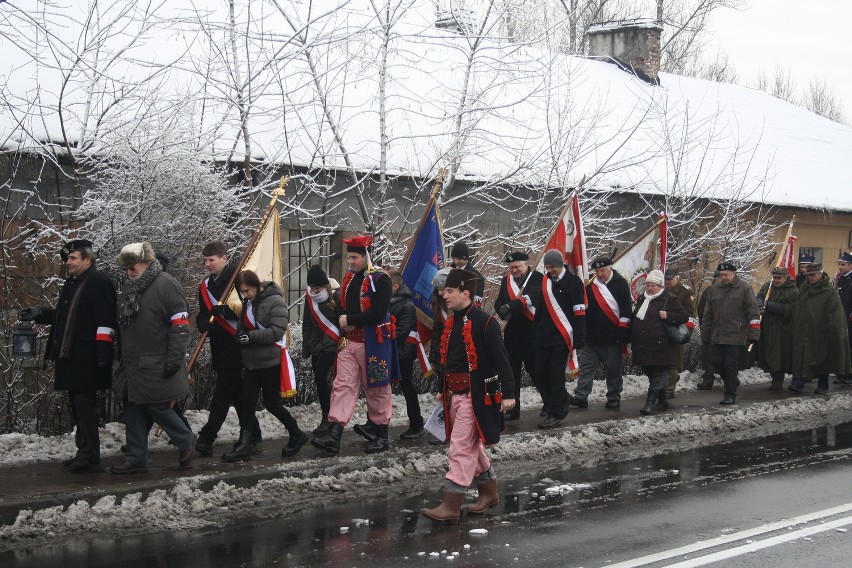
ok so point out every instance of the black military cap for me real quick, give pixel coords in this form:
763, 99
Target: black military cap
71, 246
515, 256
845, 257
725, 265
671, 273
601, 262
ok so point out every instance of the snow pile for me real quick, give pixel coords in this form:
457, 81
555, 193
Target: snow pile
294, 486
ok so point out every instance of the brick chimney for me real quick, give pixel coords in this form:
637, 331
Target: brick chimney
632, 44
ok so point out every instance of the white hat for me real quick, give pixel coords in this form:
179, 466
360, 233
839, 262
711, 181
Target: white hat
655, 277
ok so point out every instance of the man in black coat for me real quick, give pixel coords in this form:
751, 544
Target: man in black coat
607, 330
477, 386
843, 283
518, 309
560, 329
224, 349
83, 325
402, 308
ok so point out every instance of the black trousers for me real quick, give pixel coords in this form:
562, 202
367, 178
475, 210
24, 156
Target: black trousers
322, 365
268, 381
522, 354
84, 408
726, 360
412, 403
550, 368
228, 392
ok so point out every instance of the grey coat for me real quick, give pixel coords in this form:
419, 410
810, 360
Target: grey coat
270, 311
157, 336
731, 316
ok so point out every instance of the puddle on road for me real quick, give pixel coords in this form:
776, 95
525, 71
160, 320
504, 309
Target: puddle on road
393, 533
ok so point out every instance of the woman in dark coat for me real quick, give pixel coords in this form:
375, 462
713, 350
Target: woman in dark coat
652, 348
320, 336
260, 332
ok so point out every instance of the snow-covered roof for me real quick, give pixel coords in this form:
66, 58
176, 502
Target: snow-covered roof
530, 116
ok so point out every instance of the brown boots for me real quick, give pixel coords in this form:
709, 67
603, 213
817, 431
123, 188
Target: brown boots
487, 499
449, 510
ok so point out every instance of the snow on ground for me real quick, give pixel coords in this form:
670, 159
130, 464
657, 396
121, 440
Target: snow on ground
290, 487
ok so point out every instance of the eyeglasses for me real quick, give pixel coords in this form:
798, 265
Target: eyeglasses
130, 267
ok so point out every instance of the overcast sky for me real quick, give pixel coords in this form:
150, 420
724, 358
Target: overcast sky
812, 38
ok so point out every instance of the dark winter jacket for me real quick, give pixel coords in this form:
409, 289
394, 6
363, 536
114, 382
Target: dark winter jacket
224, 350
649, 339
314, 340
88, 363
519, 330
843, 283
270, 312
731, 316
568, 292
156, 338
820, 333
492, 361
402, 308
599, 329
774, 351
439, 307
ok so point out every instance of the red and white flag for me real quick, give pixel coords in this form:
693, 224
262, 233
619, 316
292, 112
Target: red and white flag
788, 259
570, 238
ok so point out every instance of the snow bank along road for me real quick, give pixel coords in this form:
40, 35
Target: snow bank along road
40, 503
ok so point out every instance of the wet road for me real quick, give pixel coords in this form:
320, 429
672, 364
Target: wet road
780, 501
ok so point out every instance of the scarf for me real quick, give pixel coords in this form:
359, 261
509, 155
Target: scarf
320, 297
128, 303
643, 309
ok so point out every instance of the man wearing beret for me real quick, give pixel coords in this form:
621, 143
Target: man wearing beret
367, 353
820, 332
520, 291
802, 276
731, 319
477, 385
560, 333
775, 300
82, 328
220, 321
607, 330
686, 297
460, 258
843, 283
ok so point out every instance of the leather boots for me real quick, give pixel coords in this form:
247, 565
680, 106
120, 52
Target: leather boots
448, 511
380, 442
330, 441
487, 499
242, 449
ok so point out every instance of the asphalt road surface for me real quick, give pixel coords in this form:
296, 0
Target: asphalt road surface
778, 502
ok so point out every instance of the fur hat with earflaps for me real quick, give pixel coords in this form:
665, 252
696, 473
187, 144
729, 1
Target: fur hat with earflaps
134, 253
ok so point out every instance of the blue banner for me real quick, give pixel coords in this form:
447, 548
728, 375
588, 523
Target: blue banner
427, 256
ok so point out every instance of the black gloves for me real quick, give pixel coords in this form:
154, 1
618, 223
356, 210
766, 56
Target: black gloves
243, 338
171, 369
29, 314
504, 311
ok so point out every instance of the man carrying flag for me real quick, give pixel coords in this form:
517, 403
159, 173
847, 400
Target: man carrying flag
560, 330
367, 354
775, 299
520, 293
607, 330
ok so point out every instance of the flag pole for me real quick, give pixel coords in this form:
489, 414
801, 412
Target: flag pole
439, 182
249, 249
642, 236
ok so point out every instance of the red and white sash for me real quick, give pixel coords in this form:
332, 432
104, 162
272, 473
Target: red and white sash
513, 290
325, 324
608, 305
288, 372
417, 337
209, 301
560, 320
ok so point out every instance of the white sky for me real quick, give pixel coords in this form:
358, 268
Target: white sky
811, 38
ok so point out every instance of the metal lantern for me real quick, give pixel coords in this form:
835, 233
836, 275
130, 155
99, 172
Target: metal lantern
24, 341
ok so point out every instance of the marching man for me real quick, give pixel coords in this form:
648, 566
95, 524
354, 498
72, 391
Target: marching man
477, 386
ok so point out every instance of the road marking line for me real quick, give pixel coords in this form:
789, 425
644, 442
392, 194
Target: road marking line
733, 537
765, 543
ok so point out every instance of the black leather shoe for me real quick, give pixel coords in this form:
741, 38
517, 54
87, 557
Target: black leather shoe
322, 428
577, 401
294, 445
549, 422
728, 401
542, 412
611, 404
81, 465
204, 447
127, 468
413, 433
368, 430
795, 389
705, 385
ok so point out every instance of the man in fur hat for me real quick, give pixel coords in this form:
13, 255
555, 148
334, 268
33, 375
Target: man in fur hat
367, 354
477, 386
460, 258
82, 327
152, 312
220, 321
520, 293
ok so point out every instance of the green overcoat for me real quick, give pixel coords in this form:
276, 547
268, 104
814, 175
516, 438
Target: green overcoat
820, 334
773, 350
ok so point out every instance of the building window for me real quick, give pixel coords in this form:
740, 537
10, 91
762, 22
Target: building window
304, 248
812, 251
